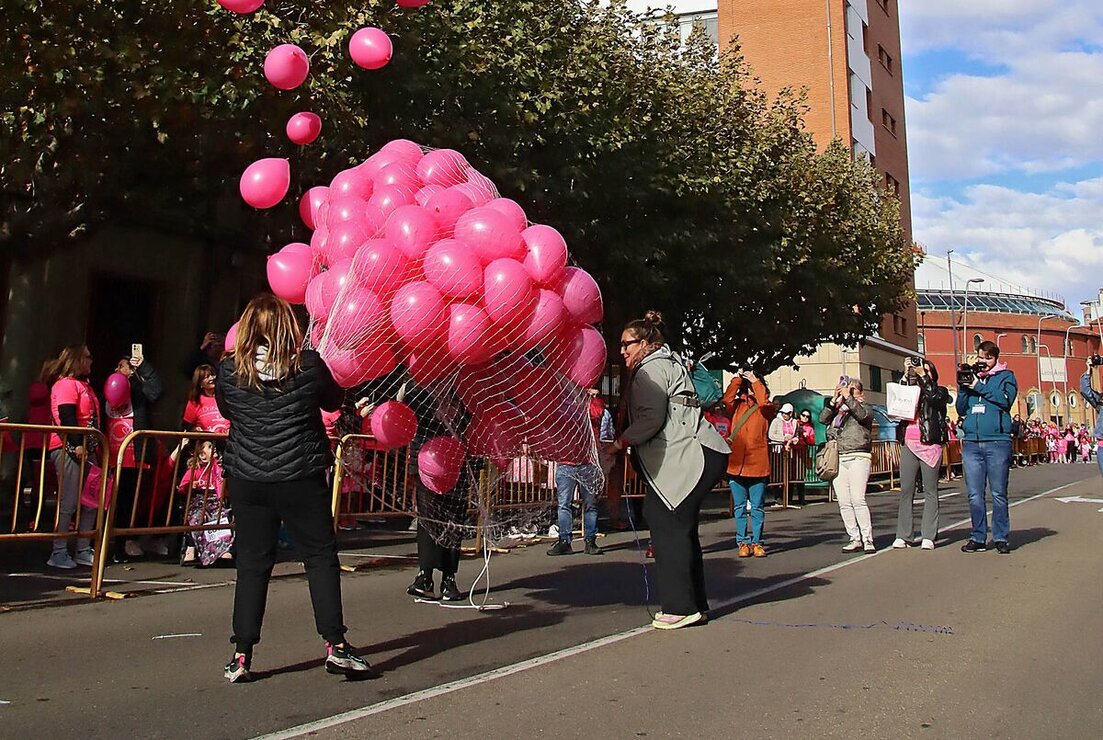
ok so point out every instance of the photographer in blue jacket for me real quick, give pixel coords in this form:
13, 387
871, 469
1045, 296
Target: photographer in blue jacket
985, 394
1095, 400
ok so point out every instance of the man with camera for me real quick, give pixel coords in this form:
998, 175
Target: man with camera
985, 394
1093, 397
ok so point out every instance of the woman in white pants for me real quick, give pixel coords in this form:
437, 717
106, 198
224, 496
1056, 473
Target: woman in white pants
850, 421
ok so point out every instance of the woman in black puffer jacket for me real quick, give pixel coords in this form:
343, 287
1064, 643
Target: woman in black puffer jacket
272, 392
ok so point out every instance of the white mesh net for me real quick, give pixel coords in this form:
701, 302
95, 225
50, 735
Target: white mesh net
461, 327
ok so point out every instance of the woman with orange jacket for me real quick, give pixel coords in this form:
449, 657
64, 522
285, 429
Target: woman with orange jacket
747, 399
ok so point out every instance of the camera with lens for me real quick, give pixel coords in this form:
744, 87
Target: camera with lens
967, 373
915, 360
1097, 360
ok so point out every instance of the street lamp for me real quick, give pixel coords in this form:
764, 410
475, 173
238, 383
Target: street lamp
999, 336
965, 316
1040, 345
953, 310
1053, 382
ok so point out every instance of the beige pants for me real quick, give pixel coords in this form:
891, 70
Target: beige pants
850, 490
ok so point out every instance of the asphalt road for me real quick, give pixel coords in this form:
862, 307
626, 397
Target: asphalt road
911, 643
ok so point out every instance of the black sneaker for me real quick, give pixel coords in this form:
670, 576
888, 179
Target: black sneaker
448, 589
422, 585
592, 548
343, 661
1002, 547
237, 670
973, 546
561, 548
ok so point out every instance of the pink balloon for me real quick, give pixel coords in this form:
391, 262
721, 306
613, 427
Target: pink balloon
408, 3
439, 463
453, 268
547, 320
117, 390
286, 66
321, 292
231, 338
358, 318
393, 424
418, 314
583, 356
380, 266
264, 183
309, 204
443, 167
483, 388
581, 296
402, 150
497, 433
510, 208
303, 128
471, 338
412, 229
490, 234
430, 364
424, 193
401, 175
537, 391
289, 272
352, 183
547, 254
371, 48
507, 290
447, 206
318, 244
248, 6
387, 198
351, 367
479, 193
344, 239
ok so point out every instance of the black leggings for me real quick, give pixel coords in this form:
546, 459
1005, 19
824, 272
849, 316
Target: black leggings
304, 507
679, 563
438, 532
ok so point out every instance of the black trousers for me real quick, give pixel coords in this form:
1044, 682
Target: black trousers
438, 544
679, 564
304, 507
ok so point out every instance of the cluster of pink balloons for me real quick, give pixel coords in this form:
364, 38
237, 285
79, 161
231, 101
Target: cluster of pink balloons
416, 261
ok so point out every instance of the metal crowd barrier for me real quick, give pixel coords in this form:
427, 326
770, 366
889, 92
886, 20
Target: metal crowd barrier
28, 524
379, 481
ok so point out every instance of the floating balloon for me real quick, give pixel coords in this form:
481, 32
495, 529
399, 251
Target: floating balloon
401, 150
245, 7
289, 272
442, 167
303, 128
412, 229
581, 296
264, 183
582, 356
439, 463
380, 266
471, 338
231, 338
371, 48
497, 433
425, 192
490, 234
353, 183
512, 210
447, 205
286, 66
399, 175
117, 390
309, 204
418, 314
452, 268
318, 244
393, 424
388, 198
547, 254
352, 367
429, 364
358, 318
507, 290
547, 320
344, 239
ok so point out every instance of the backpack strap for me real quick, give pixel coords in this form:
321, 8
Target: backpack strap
742, 420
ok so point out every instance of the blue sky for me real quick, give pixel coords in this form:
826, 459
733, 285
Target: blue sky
1005, 137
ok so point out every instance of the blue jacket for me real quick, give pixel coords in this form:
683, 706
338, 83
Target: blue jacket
1095, 399
985, 409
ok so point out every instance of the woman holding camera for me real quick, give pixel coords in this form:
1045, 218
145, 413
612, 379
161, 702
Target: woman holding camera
850, 422
921, 454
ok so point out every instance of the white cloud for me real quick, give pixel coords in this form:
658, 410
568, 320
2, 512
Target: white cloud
1051, 241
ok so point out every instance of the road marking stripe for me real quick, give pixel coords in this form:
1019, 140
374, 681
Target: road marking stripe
481, 678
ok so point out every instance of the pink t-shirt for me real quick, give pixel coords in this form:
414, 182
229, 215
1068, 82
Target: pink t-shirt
930, 454
205, 416
75, 392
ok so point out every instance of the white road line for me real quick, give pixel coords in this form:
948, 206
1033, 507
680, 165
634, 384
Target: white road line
182, 634
447, 688
949, 495
105, 580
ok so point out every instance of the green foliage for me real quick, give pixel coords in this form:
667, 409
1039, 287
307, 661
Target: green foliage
674, 179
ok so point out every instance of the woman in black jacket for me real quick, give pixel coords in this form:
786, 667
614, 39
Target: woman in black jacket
271, 390
921, 444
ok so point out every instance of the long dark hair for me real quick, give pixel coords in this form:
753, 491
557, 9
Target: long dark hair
201, 373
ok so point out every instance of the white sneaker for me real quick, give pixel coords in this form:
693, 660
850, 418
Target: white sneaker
928, 544
899, 544
852, 546
868, 547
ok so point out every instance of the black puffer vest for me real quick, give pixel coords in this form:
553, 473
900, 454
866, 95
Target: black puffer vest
276, 434
931, 413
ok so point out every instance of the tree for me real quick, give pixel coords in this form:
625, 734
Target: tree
674, 179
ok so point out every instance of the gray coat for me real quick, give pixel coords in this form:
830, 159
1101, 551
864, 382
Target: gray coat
857, 429
666, 436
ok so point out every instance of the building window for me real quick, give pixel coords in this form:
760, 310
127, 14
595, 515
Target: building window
1072, 401
892, 185
1033, 345
876, 385
1026, 345
922, 344
708, 22
884, 5
1055, 400
865, 38
888, 121
869, 104
977, 339
1033, 403
899, 324
884, 58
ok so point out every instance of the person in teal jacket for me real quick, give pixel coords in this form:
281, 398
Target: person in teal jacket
984, 405
1095, 400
